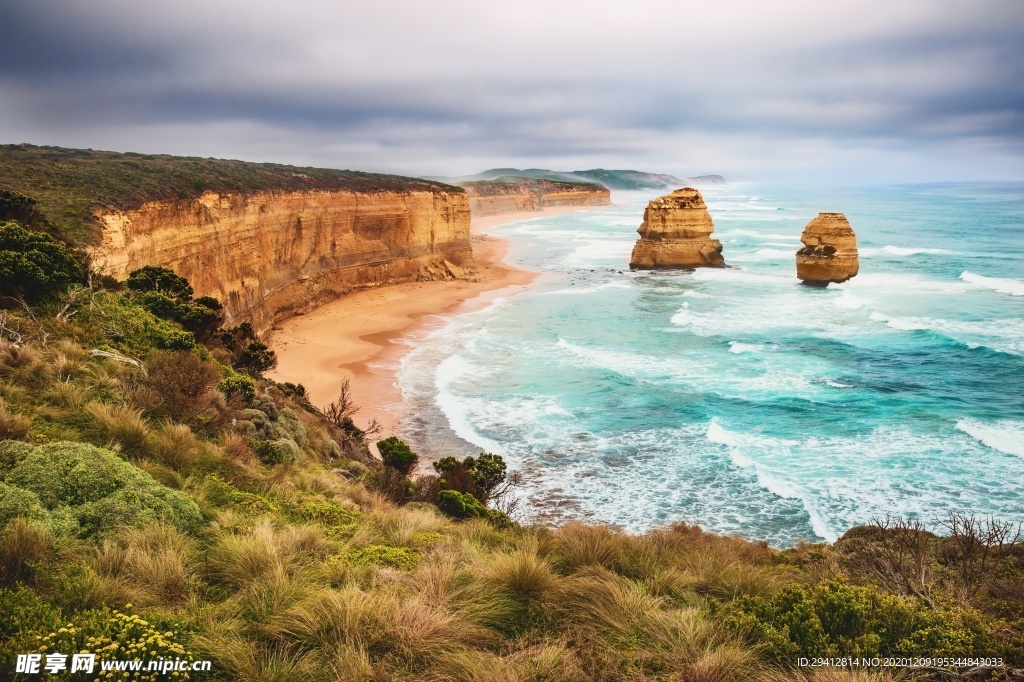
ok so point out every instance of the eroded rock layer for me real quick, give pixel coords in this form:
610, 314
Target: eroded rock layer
516, 195
273, 254
676, 233
830, 251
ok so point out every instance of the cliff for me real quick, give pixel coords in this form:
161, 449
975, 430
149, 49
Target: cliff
676, 233
268, 240
272, 254
518, 194
829, 253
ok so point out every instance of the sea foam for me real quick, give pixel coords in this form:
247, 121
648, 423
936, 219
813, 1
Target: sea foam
1013, 287
1005, 436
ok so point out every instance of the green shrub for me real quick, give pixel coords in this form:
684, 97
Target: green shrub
98, 489
275, 451
174, 339
238, 384
382, 555
460, 505
833, 619
397, 455
18, 502
478, 476
35, 265
159, 280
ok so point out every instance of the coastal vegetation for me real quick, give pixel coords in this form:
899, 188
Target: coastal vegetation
159, 497
511, 184
67, 186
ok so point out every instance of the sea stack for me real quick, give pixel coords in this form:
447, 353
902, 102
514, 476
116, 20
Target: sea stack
829, 253
676, 233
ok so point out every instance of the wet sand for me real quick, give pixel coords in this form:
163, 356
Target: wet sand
355, 338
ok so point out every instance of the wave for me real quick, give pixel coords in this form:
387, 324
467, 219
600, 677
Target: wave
1002, 335
579, 291
772, 482
738, 347
599, 253
763, 255
901, 251
904, 282
795, 237
1005, 436
1013, 287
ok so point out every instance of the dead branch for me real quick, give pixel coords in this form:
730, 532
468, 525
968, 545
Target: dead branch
117, 357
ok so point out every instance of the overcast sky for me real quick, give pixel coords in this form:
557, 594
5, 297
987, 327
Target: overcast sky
791, 90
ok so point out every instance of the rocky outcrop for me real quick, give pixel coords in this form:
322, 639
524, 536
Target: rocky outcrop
268, 255
517, 195
676, 233
829, 253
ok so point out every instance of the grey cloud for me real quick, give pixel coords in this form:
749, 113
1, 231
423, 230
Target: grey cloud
430, 86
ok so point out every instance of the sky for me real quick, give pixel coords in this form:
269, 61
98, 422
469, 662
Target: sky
790, 90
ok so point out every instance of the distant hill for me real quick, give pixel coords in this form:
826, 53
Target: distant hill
612, 179
706, 180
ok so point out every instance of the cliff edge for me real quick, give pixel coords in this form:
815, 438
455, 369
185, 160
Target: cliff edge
829, 253
268, 240
513, 194
676, 233
273, 254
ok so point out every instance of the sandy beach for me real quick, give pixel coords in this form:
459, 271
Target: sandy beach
355, 337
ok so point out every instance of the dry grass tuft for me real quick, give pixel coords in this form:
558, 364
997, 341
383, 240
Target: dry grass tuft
13, 426
577, 546
121, 425
25, 365
25, 546
157, 560
240, 559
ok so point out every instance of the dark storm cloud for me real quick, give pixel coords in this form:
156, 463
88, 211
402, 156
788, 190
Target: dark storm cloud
449, 86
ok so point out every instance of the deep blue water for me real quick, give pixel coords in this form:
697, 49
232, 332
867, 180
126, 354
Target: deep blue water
736, 398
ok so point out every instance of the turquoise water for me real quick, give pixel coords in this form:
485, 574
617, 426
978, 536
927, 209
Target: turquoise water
736, 398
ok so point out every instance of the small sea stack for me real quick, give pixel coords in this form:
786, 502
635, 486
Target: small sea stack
829, 253
676, 233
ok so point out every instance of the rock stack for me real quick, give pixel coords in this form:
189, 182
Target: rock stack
676, 233
829, 253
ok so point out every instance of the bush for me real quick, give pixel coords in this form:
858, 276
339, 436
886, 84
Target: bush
476, 476
159, 280
98, 490
240, 385
276, 451
397, 455
18, 502
381, 555
255, 357
35, 266
180, 383
460, 505
833, 619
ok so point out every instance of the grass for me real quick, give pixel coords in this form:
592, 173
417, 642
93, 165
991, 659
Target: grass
70, 185
298, 570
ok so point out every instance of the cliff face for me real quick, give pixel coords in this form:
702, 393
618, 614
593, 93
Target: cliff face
829, 253
272, 254
676, 233
515, 195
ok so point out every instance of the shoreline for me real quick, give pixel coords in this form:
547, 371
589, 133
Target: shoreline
357, 337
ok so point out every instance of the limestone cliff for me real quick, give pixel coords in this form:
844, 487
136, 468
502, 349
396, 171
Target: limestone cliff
519, 194
270, 254
829, 253
676, 233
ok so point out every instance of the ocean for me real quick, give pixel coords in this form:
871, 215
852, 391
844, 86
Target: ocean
736, 398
